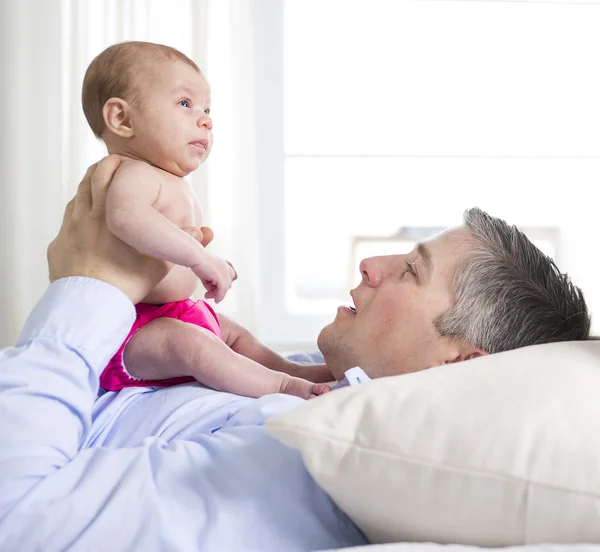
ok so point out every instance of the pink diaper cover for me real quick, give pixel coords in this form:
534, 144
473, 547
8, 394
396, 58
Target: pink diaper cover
115, 377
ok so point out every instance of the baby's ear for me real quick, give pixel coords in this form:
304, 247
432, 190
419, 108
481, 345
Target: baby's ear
116, 114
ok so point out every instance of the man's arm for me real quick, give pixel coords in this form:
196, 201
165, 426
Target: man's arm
49, 381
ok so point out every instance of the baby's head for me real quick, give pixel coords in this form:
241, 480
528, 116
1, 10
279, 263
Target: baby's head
149, 102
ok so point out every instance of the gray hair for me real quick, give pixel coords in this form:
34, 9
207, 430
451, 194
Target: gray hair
509, 294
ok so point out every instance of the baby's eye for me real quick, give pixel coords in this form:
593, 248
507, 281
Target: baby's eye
185, 103
207, 111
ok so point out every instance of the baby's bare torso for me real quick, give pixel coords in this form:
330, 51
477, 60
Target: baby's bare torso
177, 202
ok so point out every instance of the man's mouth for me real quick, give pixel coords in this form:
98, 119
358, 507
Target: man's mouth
351, 306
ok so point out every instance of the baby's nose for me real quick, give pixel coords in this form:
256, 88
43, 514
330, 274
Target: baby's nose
205, 122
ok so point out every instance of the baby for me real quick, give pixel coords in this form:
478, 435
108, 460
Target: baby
150, 104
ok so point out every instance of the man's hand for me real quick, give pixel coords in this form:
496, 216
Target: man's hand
204, 235
85, 247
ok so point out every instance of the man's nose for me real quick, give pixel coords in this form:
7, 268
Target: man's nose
374, 270
370, 271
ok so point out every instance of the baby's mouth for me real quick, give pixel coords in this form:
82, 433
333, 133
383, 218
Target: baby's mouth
200, 145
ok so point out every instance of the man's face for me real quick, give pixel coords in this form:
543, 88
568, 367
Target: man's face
400, 297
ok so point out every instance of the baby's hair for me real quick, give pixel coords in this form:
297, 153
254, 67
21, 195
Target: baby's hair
114, 74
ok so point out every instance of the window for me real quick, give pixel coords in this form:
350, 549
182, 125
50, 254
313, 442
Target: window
403, 113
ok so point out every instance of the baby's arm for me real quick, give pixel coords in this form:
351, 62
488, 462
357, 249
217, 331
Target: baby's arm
167, 348
131, 216
244, 343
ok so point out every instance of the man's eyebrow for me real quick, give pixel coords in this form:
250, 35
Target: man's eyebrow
425, 254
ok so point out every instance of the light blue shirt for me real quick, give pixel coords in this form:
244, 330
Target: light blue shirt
182, 468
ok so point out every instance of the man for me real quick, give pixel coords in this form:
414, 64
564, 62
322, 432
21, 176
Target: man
477, 289
188, 468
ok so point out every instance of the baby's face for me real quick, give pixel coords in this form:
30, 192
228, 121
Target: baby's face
172, 125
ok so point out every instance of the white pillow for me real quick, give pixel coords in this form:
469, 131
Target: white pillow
495, 451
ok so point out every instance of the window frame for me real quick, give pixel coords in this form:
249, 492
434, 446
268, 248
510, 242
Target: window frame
277, 326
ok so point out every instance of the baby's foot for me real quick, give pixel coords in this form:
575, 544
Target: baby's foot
302, 388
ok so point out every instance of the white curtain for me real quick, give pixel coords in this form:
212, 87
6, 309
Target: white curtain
32, 175
233, 188
46, 145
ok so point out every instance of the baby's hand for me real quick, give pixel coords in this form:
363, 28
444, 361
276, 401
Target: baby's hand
303, 388
319, 389
216, 276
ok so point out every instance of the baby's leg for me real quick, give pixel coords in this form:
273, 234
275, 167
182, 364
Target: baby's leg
168, 348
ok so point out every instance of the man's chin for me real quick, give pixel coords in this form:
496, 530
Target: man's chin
324, 339
335, 352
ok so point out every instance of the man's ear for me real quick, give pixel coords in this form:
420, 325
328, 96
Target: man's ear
463, 351
473, 353
117, 117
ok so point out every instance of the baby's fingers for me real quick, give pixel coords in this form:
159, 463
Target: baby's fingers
319, 389
220, 294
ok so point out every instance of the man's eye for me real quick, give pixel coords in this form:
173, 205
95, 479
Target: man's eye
410, 269
185, 103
